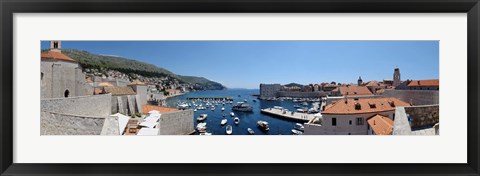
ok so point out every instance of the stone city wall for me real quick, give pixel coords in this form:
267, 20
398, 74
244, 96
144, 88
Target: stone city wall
416, 97
95, 105
65, 124
177, 123
423, 115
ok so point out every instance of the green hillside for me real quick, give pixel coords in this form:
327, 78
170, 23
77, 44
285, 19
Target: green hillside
128, 66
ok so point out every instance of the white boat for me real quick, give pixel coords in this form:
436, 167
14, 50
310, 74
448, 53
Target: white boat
296, 132
223, 109
250, 131
263, 125
182, 106
229, 129
213, 108
299, 126
201, 108
236, 120
223, 122
195, 110
202, 117
232, 114
208, 134
202, 126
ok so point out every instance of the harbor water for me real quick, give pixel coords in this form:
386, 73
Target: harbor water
278, 125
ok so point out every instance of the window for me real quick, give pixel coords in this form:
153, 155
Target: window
359, 121
334, 121
350, 122
66, 93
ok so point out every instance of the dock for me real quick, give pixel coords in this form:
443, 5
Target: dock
296, 116
211, 98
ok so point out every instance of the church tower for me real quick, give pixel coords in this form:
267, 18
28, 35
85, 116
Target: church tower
396, 77
55, 46
360, 81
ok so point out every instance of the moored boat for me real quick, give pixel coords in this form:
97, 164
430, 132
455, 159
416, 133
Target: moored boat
236, 120
296, 132
250, 131
223, 109
242, 107
202, 117
223, 122
202, 126
263, 125
232, 114
299, 126
229, 129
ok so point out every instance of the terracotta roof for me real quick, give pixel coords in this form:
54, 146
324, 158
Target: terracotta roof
56, 55
365, 105
353, 90
148, 108
173, 90
381, 125
373, 84
119, 90
428, 82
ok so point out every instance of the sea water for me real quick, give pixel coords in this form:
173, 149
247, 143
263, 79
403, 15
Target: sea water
278, 125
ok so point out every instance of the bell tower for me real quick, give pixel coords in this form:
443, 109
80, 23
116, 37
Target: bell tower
360, 81
55, 46
396, 77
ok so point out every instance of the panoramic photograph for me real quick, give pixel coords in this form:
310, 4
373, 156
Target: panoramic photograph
151, 88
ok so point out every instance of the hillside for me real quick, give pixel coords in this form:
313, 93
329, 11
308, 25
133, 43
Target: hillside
129, 66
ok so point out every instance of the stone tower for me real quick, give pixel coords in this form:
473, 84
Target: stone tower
396, 77
360, 81
55, 46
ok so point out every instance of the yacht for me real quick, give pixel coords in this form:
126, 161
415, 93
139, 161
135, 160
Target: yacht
202, 126
207, 134
223, 109
229, 129
202, 117
232, 114
182, 106
242, 107
263, 125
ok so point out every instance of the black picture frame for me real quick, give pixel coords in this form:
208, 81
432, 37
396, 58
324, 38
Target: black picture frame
9, 7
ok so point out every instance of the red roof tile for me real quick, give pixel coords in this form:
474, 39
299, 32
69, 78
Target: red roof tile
353, 90
56, 55
365, 105
148, 108
381, 125
429, 82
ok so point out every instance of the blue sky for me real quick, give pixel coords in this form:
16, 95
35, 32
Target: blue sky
246, 64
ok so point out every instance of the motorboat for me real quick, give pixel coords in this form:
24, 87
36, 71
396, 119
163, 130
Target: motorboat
263, 125
305, 104
182, 106
236, 120
232, 114
202, 126
296, 106
205, 134
223, 122
296, 132
195, 110
223, 109
213, 108
245, 100
202, 117
250, 131
229, 129
242, 107
201, 108
299, 126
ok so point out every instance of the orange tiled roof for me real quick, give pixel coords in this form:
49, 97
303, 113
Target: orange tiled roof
428, 82
148, 108
56, 55
137, 82
365, 105
381, 125
353, 90
173, 90
374, 84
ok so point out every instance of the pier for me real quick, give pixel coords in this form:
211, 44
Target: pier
211, 98
296, 116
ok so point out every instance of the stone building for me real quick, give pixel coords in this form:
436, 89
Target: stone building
61, 76
172, 121
396, 77
349, 116
417, 120
269, 90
